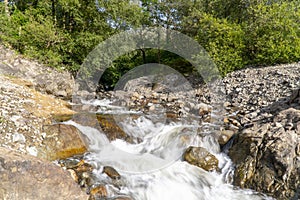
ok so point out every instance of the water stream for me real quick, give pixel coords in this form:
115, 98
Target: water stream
153, 168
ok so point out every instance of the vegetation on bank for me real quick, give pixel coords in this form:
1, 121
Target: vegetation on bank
236, 33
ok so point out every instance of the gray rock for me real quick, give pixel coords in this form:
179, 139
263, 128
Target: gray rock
43, 79
267, 156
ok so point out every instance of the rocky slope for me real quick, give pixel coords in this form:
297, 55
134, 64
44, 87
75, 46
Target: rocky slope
266, 149
24, 115
43, 79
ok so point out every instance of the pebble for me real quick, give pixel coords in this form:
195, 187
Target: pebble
16, 137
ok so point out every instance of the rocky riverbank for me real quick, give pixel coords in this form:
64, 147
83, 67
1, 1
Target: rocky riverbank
259, 129
261, 120
25, 144
266, 149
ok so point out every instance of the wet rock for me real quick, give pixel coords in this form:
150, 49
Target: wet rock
98, 192
27, 177
113, 130
111, 172
61, 141
122, 198
200, 157
108, 186
81, 171
82, 166
62, 118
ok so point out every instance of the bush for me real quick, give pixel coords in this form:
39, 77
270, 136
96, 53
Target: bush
223, 41
11, 28
273, 34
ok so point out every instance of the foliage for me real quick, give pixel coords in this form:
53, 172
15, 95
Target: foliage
223, 40
235, 33
273, 34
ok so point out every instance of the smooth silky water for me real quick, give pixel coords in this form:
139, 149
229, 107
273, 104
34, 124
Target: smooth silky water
153, 168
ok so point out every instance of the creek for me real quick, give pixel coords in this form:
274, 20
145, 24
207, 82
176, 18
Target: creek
151, 167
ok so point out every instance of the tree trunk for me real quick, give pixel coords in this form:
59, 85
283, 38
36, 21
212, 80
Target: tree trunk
53, 12
144, 55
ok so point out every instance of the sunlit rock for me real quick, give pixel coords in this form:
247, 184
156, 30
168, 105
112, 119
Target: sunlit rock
98, 192
200, 157
61, 141
111, 172
267, 156
27, 177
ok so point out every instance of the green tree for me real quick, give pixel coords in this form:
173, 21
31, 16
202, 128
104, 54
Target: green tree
272, 34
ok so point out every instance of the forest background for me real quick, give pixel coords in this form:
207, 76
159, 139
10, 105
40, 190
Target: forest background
235, 33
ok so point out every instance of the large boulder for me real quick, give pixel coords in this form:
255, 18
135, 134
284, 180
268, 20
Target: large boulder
105, 123
267, 156
27, 177
61, 141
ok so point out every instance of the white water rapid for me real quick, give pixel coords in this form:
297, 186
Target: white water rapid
153, 169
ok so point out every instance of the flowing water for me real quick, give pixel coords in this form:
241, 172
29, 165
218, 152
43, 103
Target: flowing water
153, 168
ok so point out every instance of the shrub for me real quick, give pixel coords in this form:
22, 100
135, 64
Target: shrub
273, 34
224, 42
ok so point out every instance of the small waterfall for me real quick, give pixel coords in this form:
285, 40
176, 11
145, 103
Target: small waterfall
153, 169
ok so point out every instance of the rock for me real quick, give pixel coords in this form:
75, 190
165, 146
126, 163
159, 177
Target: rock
267, 156
111, 172
80, 171
225, 136
122, 198
113, 130
23, 113
44, 79
82, 166
295, 96
18, 138
204, 109
200, 157
27, 177
227, 104
98, 192
61, 141
73, 175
